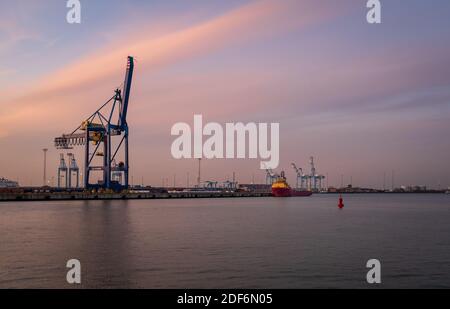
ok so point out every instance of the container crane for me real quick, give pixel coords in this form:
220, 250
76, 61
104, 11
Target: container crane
74, 171
300, 175
315, 180
99, 130
271, 176
62, 172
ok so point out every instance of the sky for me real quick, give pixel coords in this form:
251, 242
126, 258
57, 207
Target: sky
363, 99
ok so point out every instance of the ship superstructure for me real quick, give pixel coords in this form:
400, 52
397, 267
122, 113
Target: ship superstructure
280, 188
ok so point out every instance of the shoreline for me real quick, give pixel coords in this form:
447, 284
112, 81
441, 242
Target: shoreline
86, 196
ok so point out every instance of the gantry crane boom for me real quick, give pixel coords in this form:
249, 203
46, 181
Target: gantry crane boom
126, 93
299, 171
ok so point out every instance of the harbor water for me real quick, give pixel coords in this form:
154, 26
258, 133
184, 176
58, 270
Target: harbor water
305, 242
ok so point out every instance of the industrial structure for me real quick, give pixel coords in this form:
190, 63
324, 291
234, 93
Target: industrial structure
199, 178
311, 181
66, 175
315, 180
301, 178
105, 125
271, 177
62, 172
116, 174
6, 183
209, 184
44, 180
230, 185
74, 171
213, 185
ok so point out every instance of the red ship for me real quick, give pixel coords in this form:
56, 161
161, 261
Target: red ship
281, 188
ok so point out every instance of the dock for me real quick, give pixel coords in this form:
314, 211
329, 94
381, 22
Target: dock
83, 196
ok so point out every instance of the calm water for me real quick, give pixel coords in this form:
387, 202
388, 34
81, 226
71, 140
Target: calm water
228, 243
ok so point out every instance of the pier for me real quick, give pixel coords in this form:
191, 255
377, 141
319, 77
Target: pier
71, 196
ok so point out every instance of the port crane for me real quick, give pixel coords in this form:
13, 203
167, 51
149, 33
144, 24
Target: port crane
300, 176
315, 180
74, 171
311, 181
62, 172
271, 176
106, 124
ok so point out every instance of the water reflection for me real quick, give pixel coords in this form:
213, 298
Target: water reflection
227, 243
105, 235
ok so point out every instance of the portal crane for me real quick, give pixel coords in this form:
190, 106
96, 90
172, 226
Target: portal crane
99, 130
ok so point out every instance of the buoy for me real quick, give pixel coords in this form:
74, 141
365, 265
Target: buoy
341, 202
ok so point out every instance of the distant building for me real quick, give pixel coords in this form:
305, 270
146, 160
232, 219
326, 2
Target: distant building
5, 183
412, 189
256, 188
332, 190
351, 189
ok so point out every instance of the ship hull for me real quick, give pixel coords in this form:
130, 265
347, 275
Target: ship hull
288, 192
301, 193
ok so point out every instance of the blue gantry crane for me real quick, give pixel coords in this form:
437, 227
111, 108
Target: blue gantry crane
97, 133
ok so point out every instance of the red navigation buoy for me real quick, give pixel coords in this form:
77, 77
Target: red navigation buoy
341, 202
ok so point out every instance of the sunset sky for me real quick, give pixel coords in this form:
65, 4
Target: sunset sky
363, 99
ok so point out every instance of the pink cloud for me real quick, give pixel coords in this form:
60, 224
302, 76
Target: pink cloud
256, 20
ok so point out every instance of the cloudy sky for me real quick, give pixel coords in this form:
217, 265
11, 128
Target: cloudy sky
363, 99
